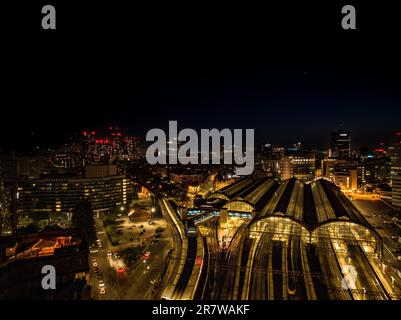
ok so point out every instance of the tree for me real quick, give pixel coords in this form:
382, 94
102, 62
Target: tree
109, 220
29, 229
52, 227
39, 216
83, 217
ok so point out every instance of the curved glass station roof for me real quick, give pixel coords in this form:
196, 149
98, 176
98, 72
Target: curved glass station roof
312, 205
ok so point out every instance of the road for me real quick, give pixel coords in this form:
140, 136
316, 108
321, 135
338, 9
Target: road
134, 283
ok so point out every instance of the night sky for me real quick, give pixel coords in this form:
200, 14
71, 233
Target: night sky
289, 72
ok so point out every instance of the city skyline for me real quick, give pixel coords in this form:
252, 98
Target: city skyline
294, 196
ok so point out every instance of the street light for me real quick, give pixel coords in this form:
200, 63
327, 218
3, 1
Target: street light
144, 266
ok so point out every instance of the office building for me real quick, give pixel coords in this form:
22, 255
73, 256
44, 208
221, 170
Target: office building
346, 179
394, 153
340, 145
59, 194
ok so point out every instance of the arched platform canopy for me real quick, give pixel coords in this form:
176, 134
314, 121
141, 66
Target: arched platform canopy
231, 191
218, 195
312, 203
239, 205
247, 195
318, 207
253, 197
336, 229
279, 224
344, 229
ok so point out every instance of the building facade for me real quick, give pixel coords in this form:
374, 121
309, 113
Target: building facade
394, 153
340, 145
300, 165
60, 195
346, 179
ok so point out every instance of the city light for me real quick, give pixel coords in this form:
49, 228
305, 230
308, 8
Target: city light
216, 173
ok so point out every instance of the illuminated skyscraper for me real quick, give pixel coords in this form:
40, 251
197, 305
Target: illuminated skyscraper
340, 145
394, 152
108, 147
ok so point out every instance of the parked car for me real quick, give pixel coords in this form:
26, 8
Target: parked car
109, 254
95, 265
101, 284
102, 291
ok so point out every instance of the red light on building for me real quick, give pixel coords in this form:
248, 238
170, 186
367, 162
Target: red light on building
106, 141
93, 132
119, 134
110, 128
84, 133
379, 150
398, 133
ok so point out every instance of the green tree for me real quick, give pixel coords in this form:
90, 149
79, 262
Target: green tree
29, 229
52, 227
109, 220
